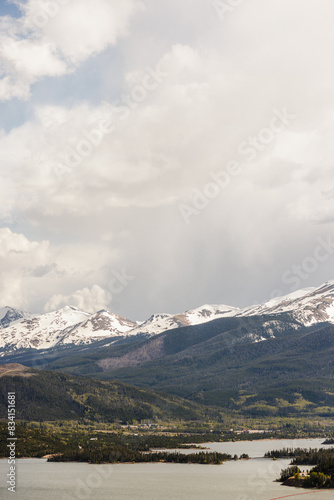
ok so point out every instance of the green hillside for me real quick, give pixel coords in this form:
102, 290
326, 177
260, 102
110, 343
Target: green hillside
288, 374
48, 396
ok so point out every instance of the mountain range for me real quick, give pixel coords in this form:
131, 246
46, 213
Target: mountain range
274, 359
71, 326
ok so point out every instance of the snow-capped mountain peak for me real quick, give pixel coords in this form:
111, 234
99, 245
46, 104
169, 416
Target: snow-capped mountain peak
209, 312
40, 331
101, 325
159, 323
68, 325
9, 316
308, 305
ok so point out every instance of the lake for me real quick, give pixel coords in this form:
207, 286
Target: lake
240, 480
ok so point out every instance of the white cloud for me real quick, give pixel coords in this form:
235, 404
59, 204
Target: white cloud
19, 258
189, 125
13, 243
53, 38
31, 272
89, 300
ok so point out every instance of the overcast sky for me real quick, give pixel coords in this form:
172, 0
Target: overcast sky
160, 155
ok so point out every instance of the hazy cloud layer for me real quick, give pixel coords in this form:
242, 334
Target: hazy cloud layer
198, 162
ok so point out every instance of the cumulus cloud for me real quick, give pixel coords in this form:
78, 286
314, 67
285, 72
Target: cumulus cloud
52, 38
19, 258
87, 159
35, 273
12, 244
90, 300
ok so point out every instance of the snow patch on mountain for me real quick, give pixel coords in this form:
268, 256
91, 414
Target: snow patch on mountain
69, 325
308, 306
99, 326
40, 331
208, 313
159, 323
156, 324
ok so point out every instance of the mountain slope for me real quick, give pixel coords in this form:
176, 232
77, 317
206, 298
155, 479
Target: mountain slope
308, 306
230, 331
99, 326
159, 323
268, 364
286, 374
46, 396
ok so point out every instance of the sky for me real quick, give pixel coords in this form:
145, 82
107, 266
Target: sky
157, 156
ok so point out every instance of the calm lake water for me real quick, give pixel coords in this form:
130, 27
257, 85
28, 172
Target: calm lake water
241, 480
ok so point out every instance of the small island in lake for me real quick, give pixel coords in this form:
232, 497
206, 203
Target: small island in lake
125, 455
320, 476
329, 441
